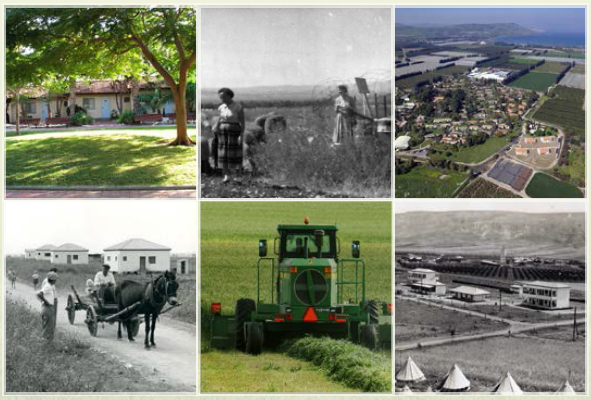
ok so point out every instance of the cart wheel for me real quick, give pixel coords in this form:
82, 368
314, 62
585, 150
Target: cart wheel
369, 336
91, 320
71, 308
134, 326
254, 338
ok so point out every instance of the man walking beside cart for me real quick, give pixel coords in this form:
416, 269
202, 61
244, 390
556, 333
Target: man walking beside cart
47, 296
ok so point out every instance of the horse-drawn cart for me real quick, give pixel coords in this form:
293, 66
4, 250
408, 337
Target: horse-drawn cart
100, 309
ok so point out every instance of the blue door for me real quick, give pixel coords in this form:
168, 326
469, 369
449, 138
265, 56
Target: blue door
169, 107
44, 111
106, 109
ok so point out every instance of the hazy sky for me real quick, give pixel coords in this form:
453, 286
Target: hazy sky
548, 19
99, 224
497, 205
244, 47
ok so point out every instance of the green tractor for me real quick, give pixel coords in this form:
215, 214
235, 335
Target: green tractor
307, 289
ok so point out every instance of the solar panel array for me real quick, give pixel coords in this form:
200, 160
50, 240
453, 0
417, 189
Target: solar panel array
510, 173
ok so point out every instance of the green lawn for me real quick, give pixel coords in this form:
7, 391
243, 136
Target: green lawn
110, 130
428, 182
537, 81
91, 158
476, 154
545, 186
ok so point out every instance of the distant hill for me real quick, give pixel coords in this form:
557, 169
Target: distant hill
479, 232
473, 31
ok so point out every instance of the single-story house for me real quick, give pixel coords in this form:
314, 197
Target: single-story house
469, 293
30, 254
137, 255
44, 252
69, 253
521, 151
184, 264
547, 295
98, 98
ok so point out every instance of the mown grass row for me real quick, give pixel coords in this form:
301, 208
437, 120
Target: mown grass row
67, 364
345, 362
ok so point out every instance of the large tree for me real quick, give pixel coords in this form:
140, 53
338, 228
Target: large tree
165, 37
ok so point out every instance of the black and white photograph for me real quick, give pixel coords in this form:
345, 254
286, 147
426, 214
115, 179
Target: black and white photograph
295, 102
100, 297
490, 297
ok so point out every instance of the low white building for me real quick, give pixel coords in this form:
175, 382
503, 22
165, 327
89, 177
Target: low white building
43, 253
137, 255
469, 293
69, 253
30, 254
548, 295
426, 281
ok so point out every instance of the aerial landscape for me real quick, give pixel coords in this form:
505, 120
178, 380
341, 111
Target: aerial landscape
499, 306
490, 103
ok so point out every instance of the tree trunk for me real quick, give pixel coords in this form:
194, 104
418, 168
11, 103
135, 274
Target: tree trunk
180, 107
72, 100
17, 112
135, 89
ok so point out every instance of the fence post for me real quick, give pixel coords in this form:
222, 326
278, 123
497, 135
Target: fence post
375, 98
385, 106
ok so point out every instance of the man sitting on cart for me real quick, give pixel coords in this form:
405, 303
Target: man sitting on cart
104, 285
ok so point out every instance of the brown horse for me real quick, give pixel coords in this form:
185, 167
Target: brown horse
152, 297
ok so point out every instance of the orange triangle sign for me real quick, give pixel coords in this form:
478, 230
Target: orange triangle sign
310, 315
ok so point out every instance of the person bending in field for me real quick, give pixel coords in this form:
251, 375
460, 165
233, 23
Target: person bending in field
47, 296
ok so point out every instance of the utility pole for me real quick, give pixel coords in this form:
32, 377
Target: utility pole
500, 300
575, 325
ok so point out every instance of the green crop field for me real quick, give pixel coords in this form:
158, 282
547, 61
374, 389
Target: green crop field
524, 60
564, 109
551, 67
540, 82
580, 56
413, 80
230, 232
474, 154
545, 186
483, 362
481, 188
578, 69
428, 182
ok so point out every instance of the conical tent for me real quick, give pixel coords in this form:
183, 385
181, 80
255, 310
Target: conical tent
454, 381
507, 385
566, 388
410, 372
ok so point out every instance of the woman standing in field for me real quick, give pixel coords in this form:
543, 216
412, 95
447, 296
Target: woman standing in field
229, 130
345, 108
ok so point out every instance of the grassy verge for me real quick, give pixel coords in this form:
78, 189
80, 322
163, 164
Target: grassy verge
109, 130
99, 160
354, 365
430, 182
76, 275
544, 186
269, 372
67, 364
484, 361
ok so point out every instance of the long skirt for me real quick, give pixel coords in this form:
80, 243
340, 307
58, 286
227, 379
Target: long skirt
229, 146
343, 129
48, 322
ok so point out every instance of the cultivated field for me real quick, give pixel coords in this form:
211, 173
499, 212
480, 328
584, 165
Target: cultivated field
545, 186
537, 81
481, 188
473, 154
429, 182
573, 80
565, 109
229, 253
485, 361
551, 67
578, 69
413, 80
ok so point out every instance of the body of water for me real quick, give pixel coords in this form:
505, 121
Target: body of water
567, 39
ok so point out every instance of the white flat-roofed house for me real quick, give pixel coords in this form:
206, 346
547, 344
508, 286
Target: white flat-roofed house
137, 255
469, 293
547, 295
44, 252
30, 254
425, 280
69, 253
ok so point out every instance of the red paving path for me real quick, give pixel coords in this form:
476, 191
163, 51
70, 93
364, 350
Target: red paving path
100, 194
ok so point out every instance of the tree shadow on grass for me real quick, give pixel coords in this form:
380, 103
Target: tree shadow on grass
104, 160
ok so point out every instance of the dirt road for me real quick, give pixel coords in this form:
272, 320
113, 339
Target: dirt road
173, 360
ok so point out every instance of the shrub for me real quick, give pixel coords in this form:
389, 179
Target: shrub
81, 118
126, 117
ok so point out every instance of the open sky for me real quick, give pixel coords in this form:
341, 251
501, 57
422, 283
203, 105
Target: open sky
96, 224
542, 206
547, 19
245, 47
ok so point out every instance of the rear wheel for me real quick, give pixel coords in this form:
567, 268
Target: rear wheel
244, 308
369, 336
254, 338
91, 320
371, 307
71, 308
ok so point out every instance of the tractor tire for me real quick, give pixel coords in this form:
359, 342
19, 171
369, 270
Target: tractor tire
254, 338
244, 307
369, 336
371, 307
